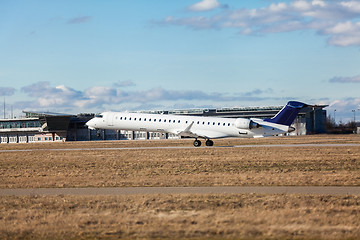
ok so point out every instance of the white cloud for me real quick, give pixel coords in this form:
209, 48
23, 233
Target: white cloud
42, 96
46, 96
99, 91
128, 83
351, 5
7, 91
62, 98
199, 22
301, 5
354, 79
345, 109
338, 20
352, 39
341, 28
318, 3
277, 7
204, 5
344, 34
78, 20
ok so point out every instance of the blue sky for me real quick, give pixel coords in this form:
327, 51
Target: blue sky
91, 56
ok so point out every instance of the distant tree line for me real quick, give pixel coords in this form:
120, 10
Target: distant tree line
340, 128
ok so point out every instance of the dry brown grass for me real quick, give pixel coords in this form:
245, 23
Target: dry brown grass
188, 142
335, 166
181, 216
241, 216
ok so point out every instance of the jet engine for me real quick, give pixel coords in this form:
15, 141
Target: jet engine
244, 123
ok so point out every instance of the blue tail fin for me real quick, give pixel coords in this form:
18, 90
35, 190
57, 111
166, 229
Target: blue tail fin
287, 114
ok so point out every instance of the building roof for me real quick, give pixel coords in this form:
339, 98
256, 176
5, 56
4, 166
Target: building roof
46, 114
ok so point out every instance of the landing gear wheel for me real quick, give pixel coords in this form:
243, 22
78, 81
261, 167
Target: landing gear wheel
197, 143
209, 142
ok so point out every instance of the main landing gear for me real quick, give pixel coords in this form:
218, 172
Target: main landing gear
209, 143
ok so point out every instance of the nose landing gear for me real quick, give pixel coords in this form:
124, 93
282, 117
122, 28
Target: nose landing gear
98, 133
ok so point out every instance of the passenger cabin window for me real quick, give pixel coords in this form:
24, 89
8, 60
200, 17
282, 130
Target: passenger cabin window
124, 118
179, 121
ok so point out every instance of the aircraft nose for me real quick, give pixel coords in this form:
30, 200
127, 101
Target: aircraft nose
91, 124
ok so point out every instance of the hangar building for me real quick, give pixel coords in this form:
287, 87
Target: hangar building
50, 127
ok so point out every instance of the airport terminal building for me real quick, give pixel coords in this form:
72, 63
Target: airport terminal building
35, 127
55, 127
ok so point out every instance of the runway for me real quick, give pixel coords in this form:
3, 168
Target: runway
184, 147
313, 190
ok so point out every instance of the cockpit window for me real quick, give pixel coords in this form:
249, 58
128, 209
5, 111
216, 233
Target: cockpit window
99, 116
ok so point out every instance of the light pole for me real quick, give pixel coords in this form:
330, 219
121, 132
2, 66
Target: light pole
4, 107
334, 116
354, 115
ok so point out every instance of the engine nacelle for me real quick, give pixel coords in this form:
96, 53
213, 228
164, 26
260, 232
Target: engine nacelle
244, 123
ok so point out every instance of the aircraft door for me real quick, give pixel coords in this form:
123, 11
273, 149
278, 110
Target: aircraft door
110, 119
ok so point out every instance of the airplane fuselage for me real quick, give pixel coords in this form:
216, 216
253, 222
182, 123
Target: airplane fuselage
202, 127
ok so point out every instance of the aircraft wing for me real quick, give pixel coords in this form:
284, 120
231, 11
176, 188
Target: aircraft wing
187, 132
194, 133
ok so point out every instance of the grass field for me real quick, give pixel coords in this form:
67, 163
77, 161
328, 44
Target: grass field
180, 216
335, 166
229, 216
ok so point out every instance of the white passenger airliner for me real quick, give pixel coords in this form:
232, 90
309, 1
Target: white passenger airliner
200, 127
